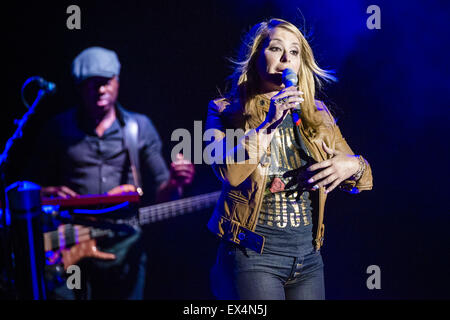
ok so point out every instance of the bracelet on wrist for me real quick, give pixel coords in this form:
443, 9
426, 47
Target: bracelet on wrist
362, 168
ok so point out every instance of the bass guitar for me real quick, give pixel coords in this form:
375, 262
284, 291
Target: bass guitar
75, 242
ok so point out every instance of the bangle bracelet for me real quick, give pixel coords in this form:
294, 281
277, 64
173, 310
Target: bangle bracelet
362, 168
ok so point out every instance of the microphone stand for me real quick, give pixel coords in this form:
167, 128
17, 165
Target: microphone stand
20, 124
5, 216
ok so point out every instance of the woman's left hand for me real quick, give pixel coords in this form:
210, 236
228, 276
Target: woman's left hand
333, 171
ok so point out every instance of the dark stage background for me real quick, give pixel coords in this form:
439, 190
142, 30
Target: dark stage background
391, 102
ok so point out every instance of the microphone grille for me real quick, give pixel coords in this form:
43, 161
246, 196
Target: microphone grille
289, 77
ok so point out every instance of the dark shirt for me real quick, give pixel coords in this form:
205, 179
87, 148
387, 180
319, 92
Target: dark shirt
285, 222
71, 155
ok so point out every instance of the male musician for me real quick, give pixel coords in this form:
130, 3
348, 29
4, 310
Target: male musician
87, 150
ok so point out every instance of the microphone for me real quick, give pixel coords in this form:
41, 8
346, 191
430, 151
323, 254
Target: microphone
48, 86
290, 79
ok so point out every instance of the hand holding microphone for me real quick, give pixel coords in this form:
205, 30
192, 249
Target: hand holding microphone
287, 99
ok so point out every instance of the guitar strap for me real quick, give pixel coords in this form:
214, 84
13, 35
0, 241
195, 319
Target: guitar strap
130, 139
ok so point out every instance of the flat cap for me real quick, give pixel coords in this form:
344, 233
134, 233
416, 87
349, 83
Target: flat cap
95, 61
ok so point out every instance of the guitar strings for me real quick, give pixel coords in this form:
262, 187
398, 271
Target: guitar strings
181, 204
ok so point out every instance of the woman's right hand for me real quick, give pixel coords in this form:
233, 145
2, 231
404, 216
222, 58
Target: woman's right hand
281, 103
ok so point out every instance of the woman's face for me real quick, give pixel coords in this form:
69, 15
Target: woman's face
280, 50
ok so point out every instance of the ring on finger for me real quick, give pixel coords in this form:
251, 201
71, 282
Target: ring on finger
281, 101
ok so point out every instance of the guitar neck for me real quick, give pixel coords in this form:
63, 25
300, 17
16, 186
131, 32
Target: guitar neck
166, 210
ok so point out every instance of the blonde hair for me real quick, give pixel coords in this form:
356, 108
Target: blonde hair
245, 79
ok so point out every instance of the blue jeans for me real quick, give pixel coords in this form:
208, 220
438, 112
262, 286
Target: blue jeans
243, 274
